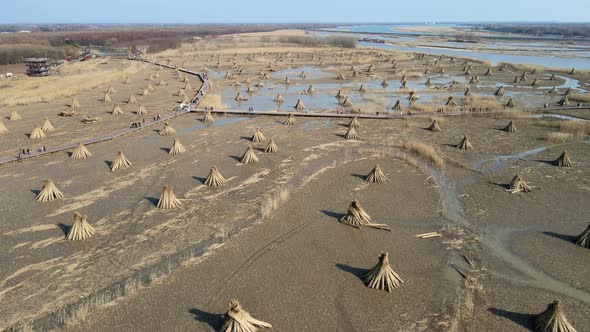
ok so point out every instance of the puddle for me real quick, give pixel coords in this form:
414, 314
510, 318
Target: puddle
218, 122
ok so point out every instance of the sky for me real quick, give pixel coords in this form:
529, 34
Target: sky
290, 11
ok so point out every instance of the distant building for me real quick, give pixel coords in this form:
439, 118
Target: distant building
37, 67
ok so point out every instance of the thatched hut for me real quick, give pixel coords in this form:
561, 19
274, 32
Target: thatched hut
80, 152
511, 127
563, 160
177, 147
583, 240
75, 103
258, 136
249, 157
351, 133
37, 132
215, 179
271, 147
465, 144
3, 129
376, 175
167, 130
290, 120
300, 105
239, 320
120, 162
47, 126
49, 192
382, 275
132, 100
553, 320
434, 127
80, 229
167, 199
518, 185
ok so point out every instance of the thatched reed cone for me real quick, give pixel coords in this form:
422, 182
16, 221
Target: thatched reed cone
167, 199
518, 185
239, 320
511, 127
132, 100
434, 127
376, 175
510, 103
347, 102
467, 92
117, 110
428, 82
354, 123
398, 106
489, 72
81, 229
583, 239
249, 156
177, 147
145, 92
451, 102
271, 147
412, 96
167, 130
356, 216
49, 192
208, 118
14, 116
181, 93
279, 99
188, 86
465, 144
162, 83
37, 132
499, 92
120, 162
3, 129
215, 179
553, 320
141, 110
75, 103
339, 95
149, 87
107, 98
47, 126
563, 160
258, 136
80, 152
351, 133
239, 97
290, 120
250, 90
111, 90
310, 90
362, 88
382, 275
564, 101
384, 84
300, 105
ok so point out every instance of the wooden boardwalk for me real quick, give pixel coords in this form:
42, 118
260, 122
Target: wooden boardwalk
193, 103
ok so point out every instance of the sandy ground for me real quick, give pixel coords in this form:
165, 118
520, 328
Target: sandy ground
499, 261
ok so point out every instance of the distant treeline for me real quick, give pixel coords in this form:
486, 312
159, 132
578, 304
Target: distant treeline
567, 30
311, 41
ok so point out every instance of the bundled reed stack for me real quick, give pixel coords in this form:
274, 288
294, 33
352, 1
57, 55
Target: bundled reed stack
120, 162
310, 90
573, 71
434, 127
552, 78
279, 99
3, 129
75, 103
451, 102
567, 92
162, 83
339, 95
239, 97
188, 86
428, 82
271, 147
583, 240
167, 130
149, 87
111, 90
117, 110
340, 77
563, 160
208, 118
258, 136
564, 101
49, 192
489, 72
37, 132
412, 96
351, 133
300, 105
177, 147
356, 216
518, 185
376, 175
511, 127
167, 199
347, 102
250, 90
382, 275
141, 110
81, 229
398, 106
215, 179
404, 85
107, 98
239, 320
47, 126
181, 93
290, 120
354, 123
384, 84
465, 144
510, 103
553, 320
132, 100
145, 92
14, 116
362, 88
499, 92
80, 152
553, 90
249, 157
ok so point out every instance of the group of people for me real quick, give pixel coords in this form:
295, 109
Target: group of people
251, 109
24, 152
137, 124
208, 108
157, 117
